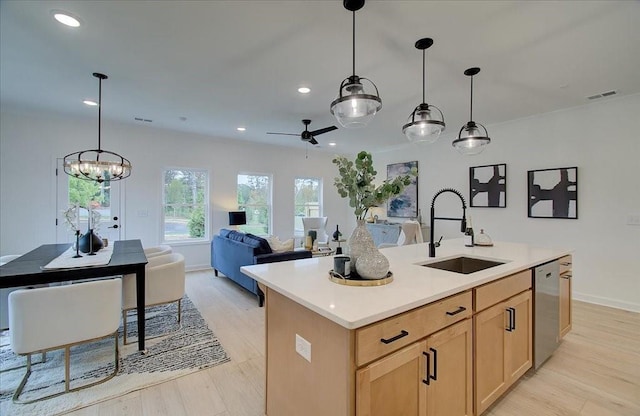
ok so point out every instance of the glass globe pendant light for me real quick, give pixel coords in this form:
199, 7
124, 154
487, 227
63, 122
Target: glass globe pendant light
426, 122
473, 137
96, 164
354, 107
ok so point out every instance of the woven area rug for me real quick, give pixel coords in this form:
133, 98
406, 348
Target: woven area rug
184, 350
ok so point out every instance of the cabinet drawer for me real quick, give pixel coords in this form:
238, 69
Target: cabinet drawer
497, 291
393, 333
565, 264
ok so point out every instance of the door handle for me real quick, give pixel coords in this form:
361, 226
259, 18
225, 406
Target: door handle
402, 334
435, 364
114, 226
510, 312
428, 372
457, 311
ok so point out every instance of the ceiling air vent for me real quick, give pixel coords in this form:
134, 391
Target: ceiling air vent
602, 95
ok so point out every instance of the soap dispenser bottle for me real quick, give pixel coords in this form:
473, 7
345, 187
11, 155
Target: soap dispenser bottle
468, 234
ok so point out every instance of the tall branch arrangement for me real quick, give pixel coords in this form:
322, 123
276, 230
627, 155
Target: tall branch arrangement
356, 182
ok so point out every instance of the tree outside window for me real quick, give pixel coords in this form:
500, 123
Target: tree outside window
185, 205
308, 201
254, 197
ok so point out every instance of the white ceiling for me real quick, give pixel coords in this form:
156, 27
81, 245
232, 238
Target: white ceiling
224, 64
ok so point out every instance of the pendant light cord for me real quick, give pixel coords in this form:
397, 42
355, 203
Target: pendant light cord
354, 42
99, 110
471, 104
424, 70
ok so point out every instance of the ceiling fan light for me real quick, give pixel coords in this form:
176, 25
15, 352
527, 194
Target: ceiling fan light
425, 125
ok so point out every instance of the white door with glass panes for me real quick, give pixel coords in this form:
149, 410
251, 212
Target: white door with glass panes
102, 199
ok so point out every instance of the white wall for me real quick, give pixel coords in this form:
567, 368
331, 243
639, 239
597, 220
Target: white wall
30, 143
602, 140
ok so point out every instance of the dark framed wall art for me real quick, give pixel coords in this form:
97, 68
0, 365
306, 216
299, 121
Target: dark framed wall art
488, 186
553, 193
404, 205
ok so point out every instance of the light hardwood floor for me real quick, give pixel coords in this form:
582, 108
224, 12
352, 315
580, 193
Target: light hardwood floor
595, 372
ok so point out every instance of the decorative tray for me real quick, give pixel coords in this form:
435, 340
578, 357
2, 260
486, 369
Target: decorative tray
355, 280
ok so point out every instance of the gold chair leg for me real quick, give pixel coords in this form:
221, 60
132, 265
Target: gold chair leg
67, 354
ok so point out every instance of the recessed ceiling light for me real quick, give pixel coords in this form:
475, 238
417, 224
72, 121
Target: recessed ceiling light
304, 90
90, 102
241, 128
66, 18
332, 143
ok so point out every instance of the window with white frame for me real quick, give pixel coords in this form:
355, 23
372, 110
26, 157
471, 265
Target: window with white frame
308, 201
254, 197
185, 205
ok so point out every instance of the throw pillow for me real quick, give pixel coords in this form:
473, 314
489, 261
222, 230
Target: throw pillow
280, 246
263, 245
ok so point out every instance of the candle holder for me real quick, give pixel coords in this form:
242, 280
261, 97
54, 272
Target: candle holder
77, 245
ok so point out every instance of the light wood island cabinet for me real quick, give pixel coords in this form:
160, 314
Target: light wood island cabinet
430, 343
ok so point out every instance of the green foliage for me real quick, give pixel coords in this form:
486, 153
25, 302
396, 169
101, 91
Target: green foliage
356, 183
82, 192
196, 223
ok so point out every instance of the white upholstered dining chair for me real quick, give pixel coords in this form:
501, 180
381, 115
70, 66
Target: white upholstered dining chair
59, 317
164, 283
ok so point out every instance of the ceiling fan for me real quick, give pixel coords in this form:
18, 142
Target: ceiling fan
306, 135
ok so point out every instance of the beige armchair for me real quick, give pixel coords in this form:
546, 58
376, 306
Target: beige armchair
319, 225
160, 250
410, 233
58, 317
164, 283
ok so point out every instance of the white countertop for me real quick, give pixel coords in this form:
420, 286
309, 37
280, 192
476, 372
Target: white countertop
307, 281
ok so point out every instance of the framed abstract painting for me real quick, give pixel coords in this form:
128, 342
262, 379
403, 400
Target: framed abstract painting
553, 193
404, 205
488, 186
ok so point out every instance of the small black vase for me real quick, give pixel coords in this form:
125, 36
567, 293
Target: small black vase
89, 242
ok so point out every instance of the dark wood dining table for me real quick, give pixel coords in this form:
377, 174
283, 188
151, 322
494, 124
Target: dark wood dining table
128, 257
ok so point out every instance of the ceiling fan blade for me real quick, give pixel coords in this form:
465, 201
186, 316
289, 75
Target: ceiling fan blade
324, 130
285, 134
313, 141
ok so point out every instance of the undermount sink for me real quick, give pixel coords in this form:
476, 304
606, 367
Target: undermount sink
464, 265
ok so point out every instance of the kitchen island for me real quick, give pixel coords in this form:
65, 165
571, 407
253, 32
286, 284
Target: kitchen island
343, 350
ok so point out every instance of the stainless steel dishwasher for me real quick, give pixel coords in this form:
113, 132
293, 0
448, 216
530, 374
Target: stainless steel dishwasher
547, 311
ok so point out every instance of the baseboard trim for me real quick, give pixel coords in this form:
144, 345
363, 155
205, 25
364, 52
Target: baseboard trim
197, 267
613, 303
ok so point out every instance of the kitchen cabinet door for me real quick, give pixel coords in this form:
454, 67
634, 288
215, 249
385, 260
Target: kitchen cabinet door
450, 390
393, 385
490, 349
519, 341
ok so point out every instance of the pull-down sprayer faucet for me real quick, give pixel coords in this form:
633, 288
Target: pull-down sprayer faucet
463, 227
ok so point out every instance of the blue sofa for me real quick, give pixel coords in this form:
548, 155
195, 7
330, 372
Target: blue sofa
231, 249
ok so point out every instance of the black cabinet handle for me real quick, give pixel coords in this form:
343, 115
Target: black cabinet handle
402, 334
566, 263
428, 376
457, 311
513, 325
510, 312
435, 364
